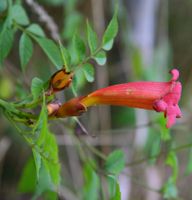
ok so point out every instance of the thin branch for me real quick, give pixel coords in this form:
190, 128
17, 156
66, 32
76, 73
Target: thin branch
93, 149
81, 126
46, 18
142, 160
88, 146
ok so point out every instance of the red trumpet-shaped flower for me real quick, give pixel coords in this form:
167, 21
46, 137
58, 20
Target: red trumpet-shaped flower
158, 96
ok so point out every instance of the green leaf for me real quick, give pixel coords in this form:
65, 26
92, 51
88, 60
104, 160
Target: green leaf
47, 146
36, 30
115, 162
108, 46
165, 132
91, 184
44, 183
189, 165
79, 80
100, 58
51, 50
27, 182
110, 33
89, 72
25, 50
169, 190
114, 189
36, 87
172, 161
66, 57
42, 125
155, 149
6, 42
79, 48
92, 38
51, 151
74, 85
37, 160
19, 15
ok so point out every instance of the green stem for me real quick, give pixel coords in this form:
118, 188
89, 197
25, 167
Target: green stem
17, 128
3, 104
78, 67
94, 150
63, 57
29, 141
87, 59
21, 114
179, 148
91, 148
23, 29
182, 147
10, 108
33, 103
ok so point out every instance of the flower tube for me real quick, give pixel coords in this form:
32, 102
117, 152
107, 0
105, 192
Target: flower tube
158, 96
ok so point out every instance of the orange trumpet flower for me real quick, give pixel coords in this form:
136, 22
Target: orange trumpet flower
158, 96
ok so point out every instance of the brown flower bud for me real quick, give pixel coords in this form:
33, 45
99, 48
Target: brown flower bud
59, 81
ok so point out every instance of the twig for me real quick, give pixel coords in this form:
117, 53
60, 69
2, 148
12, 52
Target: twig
93, 149
44, 17
81, 126
179, 148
